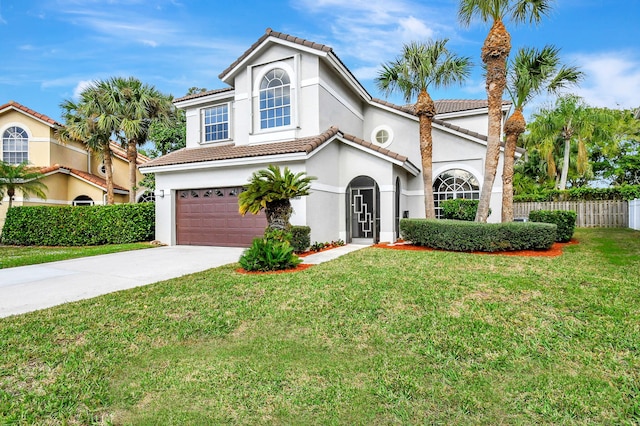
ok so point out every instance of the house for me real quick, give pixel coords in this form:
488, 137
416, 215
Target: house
294, 103
72, 174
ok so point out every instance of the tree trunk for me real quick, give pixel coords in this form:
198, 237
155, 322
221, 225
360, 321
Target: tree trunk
565, 164
495, 51
132, 156
278, 214
106, 154
426, 109
513, 128
11, 192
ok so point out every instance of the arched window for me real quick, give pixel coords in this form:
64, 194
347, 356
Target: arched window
147, 197
15, 145
454, 183
83, 200
275, 99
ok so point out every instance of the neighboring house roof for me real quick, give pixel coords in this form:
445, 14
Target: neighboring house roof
121, 153
302, 145
88, 177
19, 107
443, 106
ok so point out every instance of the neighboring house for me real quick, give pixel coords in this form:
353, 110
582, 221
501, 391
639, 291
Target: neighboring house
72, 174
294, 103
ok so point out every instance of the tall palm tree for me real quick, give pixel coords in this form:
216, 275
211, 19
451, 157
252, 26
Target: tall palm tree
531, 72
570, 122
495, 51
272, 189
90, 123
135, 106
419, 66
20, 176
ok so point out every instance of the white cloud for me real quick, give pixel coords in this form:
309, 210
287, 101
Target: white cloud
612, 79
80, 87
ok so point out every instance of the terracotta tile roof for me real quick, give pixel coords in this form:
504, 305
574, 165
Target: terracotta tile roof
270, 33
443, 106
203, 94
97, 180
20, 107
119, 151
226, 152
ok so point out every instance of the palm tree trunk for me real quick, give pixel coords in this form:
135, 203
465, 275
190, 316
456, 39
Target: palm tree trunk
278, 214
565, 164
495, 51
513, 128
11, 192
106, 153
132, 156
426, 109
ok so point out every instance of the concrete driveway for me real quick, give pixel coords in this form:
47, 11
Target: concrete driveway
29, 288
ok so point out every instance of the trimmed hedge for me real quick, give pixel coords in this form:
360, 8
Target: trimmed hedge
300, 238
459, 235
565, 220
622, 192
459, 209
79, 225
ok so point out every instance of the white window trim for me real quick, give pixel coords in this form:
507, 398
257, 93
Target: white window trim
375, 131
293, 93
24, 127
203, 133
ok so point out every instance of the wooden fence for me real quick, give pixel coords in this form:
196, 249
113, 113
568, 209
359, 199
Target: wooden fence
605, 214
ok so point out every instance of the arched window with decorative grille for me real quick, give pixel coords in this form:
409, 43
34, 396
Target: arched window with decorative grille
452, 184
275, 99
15, 145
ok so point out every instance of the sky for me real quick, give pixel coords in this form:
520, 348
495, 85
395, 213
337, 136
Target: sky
52, 49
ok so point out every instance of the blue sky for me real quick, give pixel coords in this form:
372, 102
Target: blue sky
51, 49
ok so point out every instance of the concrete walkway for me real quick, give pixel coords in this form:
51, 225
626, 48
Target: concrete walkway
29, 288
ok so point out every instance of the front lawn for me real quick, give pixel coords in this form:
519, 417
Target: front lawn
12, 256
376, 337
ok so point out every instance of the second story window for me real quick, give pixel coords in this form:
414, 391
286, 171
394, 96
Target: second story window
15, 145
216, 123
275, 99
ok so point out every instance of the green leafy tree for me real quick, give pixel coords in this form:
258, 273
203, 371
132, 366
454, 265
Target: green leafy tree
570, 123
135, 106
419, 67
531, 72
495, 51
22, 177
168, 135
90, 122
272, 189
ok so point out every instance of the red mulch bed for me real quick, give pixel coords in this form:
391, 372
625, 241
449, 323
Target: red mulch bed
555, 250
300, 267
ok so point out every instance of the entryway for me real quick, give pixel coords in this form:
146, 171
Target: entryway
363, 211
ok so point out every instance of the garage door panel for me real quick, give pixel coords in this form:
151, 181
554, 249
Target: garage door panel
210, 217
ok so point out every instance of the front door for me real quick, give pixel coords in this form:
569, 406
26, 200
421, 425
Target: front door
363, 211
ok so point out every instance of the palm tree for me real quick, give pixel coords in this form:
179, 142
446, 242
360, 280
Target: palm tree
495, 51
570, 122
20, 176
90, 123
419, 66
135, 106
271, 189
530, 73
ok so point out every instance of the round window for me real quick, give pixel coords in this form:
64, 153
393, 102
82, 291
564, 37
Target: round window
382, 135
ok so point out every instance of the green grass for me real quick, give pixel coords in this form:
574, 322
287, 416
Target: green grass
12, 256
376, 337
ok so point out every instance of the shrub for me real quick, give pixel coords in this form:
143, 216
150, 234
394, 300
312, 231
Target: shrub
459, 209
622, 192
79, 225
564, 220
269, 254
473, 236
300, 238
